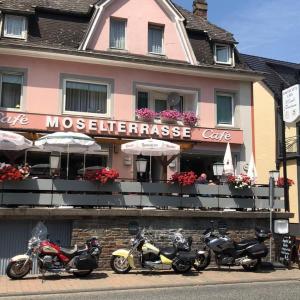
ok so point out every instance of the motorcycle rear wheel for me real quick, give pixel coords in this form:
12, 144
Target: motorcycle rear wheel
119, 264
17, 269
80, 274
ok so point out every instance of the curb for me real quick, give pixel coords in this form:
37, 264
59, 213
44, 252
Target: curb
115, 289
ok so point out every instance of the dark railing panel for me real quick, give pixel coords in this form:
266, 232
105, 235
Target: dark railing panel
32, 199
236, 202
74, 186
159, 188
161, 201
29, 185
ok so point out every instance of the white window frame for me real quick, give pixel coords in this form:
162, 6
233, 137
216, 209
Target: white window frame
77, 113
24, 30
125, 37
162, 27
22, 90
230, 54
232, 96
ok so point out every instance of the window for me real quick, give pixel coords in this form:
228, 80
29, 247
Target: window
160, 105
142, 100
117, 34
223, 54
155, 39
15, 26
85, 97
225, 110
178, 106
11, 90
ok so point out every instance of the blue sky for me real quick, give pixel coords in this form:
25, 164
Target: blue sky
268, 28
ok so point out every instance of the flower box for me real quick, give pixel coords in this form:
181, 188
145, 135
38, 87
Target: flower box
145, 115
189, 118
170, 116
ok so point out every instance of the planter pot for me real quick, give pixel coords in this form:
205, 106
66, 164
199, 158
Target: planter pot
146, 120
189, 124
168, 121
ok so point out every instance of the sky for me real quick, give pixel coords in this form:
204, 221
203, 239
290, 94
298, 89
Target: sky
268, 28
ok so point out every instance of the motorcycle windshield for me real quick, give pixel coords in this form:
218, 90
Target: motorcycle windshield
39, 231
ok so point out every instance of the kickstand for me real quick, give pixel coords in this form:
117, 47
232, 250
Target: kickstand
43, 276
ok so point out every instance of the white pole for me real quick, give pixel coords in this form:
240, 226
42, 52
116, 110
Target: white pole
150, 175
25, 158
271, 200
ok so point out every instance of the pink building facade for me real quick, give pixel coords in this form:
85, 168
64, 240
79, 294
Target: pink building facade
90, 70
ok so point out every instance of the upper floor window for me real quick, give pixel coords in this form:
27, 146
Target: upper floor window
117, 33
11, 90
143, 100
15, 26
223, 54
225, 110
84, 97
155, 39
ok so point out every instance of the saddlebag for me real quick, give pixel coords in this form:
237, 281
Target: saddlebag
257, 251
86, 262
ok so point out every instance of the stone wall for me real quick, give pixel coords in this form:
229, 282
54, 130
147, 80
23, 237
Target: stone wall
113, 232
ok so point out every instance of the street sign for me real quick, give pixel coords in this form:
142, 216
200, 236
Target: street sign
291, 104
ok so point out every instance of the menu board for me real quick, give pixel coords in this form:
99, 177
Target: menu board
286, 250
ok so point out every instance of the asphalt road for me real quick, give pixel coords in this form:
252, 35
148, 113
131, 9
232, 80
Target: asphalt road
288, 290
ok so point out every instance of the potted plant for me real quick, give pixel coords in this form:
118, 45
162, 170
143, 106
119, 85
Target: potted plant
184, 178
104, 175
241, 181
145, 114
170, 116
280, 182
189, 118
11, 173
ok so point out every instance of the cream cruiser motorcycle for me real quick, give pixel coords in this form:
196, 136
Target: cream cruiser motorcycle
179, 257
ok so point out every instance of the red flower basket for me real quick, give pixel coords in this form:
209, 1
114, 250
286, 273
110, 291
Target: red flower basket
280, 182
10, 173
103, 176
241, 181
184, 178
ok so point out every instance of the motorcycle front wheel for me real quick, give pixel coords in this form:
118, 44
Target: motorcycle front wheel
18, 269
119, 264
202, 263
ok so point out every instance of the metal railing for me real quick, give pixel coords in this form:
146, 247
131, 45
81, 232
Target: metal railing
52, 193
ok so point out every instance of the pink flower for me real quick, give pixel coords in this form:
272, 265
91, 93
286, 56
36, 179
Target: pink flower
171, 114
189, 118
145, 113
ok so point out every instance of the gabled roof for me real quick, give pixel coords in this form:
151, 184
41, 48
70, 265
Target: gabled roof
278, 73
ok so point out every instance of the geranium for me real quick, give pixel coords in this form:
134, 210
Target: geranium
104, 175
171, 115
10, 173
189, 118
184, 178
146, 114
239, 181
280, 182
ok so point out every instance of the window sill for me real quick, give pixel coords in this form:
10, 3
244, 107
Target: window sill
117, 50
161, 55
223, 126
11, 109
14, 37
224, 64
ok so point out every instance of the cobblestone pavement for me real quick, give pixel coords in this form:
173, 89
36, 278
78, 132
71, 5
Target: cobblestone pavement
108, 281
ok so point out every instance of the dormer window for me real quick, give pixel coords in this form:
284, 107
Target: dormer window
155, 39
223, 54
15, 27
117, 33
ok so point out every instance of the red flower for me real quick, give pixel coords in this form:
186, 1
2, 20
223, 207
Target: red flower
280, 182
103, 175
184, 178
10, 173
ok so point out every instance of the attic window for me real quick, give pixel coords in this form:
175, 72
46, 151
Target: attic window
15, 27
223, 54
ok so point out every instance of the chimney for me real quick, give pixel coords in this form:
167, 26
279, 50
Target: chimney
200, 8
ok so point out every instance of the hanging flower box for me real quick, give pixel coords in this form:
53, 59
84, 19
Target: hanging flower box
280, 182
189, 118
10, 173
184, 178
170, 116
240, 182
104, 175
145, 115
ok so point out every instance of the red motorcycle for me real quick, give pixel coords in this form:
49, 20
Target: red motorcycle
53, 258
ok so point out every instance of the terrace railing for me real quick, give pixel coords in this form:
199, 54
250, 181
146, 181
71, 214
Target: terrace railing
53, 193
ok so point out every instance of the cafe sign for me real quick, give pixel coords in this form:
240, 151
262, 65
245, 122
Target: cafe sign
115, 128
291, 104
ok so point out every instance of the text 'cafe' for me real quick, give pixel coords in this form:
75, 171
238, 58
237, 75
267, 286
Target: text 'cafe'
201, 147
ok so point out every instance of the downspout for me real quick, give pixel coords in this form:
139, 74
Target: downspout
253, 120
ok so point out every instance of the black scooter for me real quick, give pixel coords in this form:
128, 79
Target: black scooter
247, 253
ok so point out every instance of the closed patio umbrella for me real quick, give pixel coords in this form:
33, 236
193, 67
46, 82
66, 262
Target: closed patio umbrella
13, 141
151, 147
228, 165
252, 172
70, 142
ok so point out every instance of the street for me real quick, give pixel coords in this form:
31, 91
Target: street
287, 290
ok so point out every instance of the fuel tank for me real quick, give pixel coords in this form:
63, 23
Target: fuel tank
220, 244
47, 247
149, 248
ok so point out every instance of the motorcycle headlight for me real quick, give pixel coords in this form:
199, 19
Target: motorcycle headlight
132, 241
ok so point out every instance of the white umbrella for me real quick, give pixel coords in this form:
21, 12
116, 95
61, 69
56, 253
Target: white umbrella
228, 165
252, 172
70, 142
150, 147
13, 141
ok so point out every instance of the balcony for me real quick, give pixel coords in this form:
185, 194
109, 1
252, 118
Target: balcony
76, 193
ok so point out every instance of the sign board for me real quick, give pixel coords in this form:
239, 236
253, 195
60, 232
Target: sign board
291, 104
288, 251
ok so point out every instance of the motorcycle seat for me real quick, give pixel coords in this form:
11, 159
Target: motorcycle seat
69, 251
169, 252
245, 243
